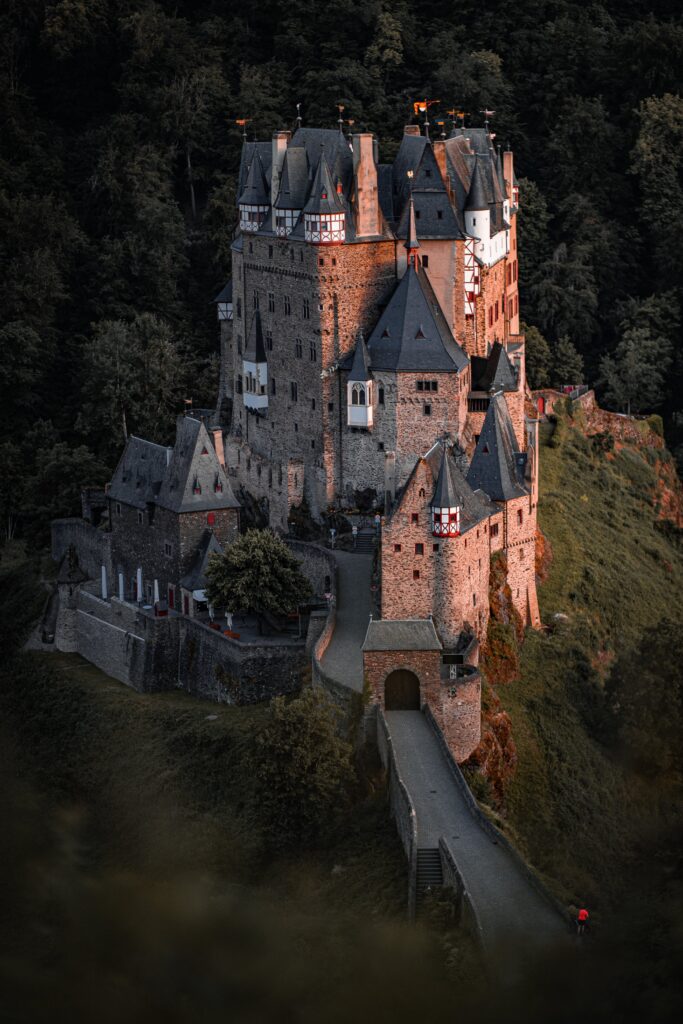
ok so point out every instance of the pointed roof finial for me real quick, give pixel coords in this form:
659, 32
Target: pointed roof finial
360, 367
411, 243
298, 115
340, 119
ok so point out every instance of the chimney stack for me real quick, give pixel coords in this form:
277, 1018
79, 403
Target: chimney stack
366, 194
280, 141
412, 129
218, 445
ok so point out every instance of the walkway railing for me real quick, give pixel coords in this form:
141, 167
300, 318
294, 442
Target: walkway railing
402, 807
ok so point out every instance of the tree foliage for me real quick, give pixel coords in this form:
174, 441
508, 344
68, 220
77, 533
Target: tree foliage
302, 767
257, 573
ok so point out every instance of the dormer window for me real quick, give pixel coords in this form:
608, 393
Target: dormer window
324, 228
446, 522
196, 487
252, 217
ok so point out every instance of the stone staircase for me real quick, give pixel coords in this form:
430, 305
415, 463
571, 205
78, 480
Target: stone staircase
429, 875
365, 542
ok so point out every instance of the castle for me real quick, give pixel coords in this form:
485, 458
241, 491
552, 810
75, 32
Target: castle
370, 344
370, 357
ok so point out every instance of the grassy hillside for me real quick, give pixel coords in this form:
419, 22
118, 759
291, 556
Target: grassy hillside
577, 807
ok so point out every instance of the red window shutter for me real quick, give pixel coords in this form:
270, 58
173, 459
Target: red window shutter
210, 518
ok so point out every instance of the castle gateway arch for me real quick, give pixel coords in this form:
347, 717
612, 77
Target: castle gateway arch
402, 691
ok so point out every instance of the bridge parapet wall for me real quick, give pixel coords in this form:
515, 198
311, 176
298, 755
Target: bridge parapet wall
402, 809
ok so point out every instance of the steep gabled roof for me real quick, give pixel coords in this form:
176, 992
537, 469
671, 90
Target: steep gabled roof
474, 506
334, 147
495, 372
360, 367
434, 215
412, 332
294, 181
195, 579
255, 351
194, 462
249, 149
255, 192
323, 196
497, 465
140, 472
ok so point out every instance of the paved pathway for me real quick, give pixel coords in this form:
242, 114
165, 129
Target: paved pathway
508, 907
343, 660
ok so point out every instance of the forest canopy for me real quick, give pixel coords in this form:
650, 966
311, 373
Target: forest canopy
118, 154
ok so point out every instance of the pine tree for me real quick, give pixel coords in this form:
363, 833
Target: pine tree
567, 364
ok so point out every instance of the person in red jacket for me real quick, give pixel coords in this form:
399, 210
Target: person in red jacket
582, 920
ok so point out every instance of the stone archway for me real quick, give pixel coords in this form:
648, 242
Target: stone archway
402, 691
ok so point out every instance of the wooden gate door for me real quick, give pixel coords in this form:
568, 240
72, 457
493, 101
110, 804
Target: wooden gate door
402, 691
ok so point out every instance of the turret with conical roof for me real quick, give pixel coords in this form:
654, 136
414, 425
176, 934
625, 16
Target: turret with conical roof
411, 243
254, 202
359, 389
255, 368
446, 502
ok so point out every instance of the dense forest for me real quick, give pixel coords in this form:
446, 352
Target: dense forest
119, 148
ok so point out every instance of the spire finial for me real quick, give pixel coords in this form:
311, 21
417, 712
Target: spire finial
298, 115
340, 120
411, 242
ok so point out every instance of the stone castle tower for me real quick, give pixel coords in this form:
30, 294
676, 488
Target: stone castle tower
370, 345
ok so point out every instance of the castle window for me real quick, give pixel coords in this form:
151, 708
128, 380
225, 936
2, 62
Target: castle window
269, 340
271, 302
313, 352
397, 547
239, 384
425, 261
491, 316
118, 508
270, 252
474, 599
520, 516
422, 492
334, 261
294, 391
288, 305
239, 309
496, 309
427, 385
414, 517
313, 404
417, 215
439, 214
416, 574
168, 549
380, 396
256, 299
494, 529
428, 172
251, 248
298, 348
306, 310
210, 518
321, 262
239, 344
139, 518
358, 394
312, 444
435, 548
427, 409
273, 389
380, 446
419, 549
330, 406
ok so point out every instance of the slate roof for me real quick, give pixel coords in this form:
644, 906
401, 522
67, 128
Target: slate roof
249, 149
360, 367
497, 466
446, 493
474, 506
412, 332
478, 195
401, 635
225, 294
140, 471
255, 191
335, 148
148, 472
434, 216
494, 372
323, 197
255, 351
195, 579
294, 181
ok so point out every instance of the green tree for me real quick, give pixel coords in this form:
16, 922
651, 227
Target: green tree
567, 367
23, 363
635, 375
257, 574
537, 356
303, 768
54, 487
133, 377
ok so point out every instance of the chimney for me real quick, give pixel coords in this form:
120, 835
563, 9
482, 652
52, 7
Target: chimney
280, 141
365, 177
218, 445
411, 129
439, 149
508, 172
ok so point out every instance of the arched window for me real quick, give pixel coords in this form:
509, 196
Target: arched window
358, 394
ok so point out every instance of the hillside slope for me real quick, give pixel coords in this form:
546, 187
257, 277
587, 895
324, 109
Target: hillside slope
573, 800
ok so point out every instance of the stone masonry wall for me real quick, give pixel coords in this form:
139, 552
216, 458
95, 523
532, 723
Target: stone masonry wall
460, 715
520, 538
426, 665
92, 545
